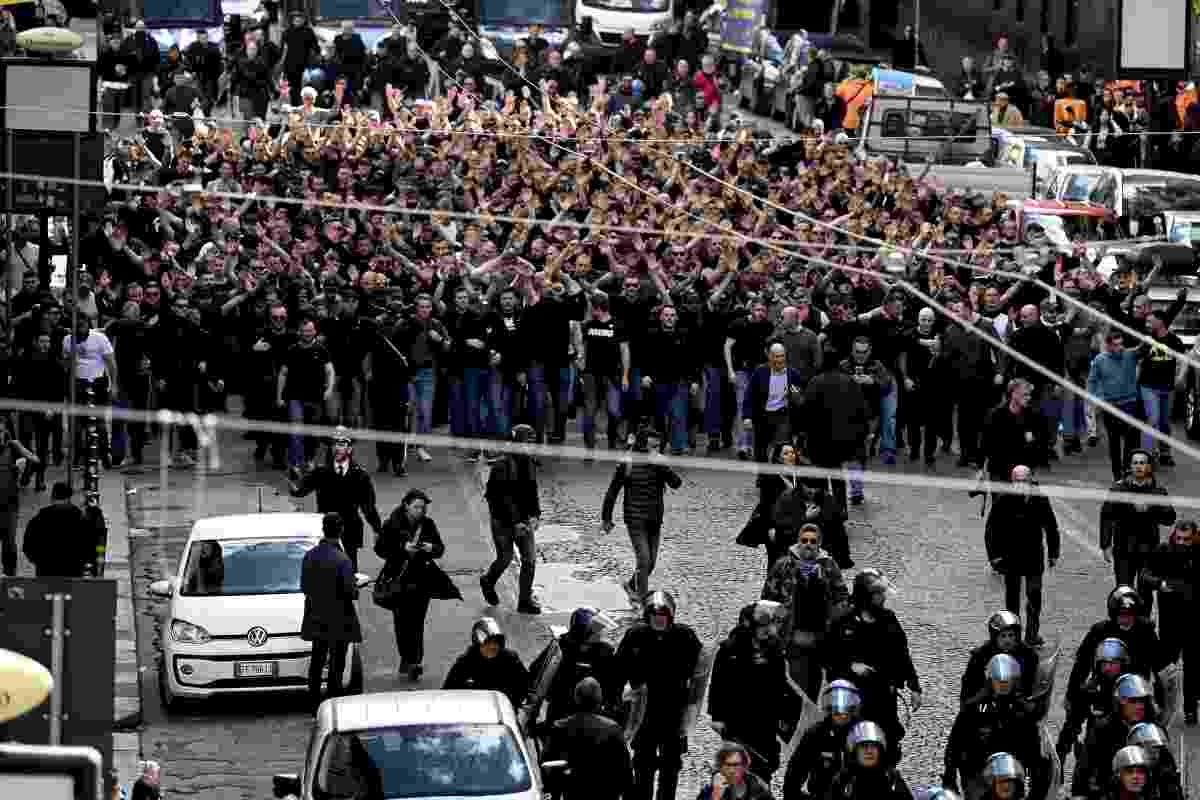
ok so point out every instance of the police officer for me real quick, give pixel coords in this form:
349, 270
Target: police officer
659, 655
750, 691
1005, 777
1129, 529
998, 723
1004, 636
1133, 703
821, 752
1130, 773
343, 488
1163, 770
1173, 571
868, 774
1092, 700
584, 654
593, 745
489, 664
869, 647
1125, 622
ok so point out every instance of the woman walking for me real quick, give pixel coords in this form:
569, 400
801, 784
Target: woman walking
409, 544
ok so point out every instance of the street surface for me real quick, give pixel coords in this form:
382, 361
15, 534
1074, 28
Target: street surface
927, 541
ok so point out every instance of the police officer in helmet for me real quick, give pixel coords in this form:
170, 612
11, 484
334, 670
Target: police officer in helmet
1004, 636
489, 664
821, 753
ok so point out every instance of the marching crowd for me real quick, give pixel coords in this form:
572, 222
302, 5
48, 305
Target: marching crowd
593, 253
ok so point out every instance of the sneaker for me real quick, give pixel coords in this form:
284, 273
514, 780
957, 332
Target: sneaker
489, 591
743, 455
529, 606
423, 454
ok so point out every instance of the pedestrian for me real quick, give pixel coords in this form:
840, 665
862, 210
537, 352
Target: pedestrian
330, 588
300, 50
1173, 572
1022, 533
14, 458
489, 665
409, 545
762, 527
736, 776
1112, 377
838, 422
95, 372
593, 745
774, 401
644, 484
148, 785
1129, 531
59, 541
344, 488
512, 498
1014, 434
878, 389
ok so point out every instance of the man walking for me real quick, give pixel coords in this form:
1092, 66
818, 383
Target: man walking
774, 397
343, 488
1021, 532
512, 498
59, 541
1129, 531
1112, 377
644, 485
330, 618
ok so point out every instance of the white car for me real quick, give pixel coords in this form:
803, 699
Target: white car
423, 744
232, 622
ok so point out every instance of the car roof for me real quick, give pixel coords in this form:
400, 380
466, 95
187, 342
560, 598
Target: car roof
1156, 173
431, 707
257, 526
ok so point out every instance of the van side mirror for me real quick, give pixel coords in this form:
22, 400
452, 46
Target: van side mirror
284, 785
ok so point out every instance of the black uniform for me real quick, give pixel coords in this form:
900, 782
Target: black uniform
505, 674
1133, 533
997, 725
581, 658
346, 495
594, 747
1094, 761
974, 679
818, 758
664, 662
857, 783
1178, 567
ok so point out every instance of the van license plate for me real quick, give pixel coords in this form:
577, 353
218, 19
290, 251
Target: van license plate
256, 669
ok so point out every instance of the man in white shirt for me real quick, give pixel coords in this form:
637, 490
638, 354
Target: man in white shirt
96, 369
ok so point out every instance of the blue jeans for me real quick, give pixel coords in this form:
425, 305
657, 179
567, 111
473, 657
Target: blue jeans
597, 389
1157, 403
477, 395
420, 392
631, 400
745, 436
301, 448
560, 382
714, 384
1052, 409
887, 421
1074, 416
501, 392
671, 405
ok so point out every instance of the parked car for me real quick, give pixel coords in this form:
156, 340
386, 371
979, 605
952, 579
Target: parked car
421, 744
234, 609
1137, 196
1039, 151
1073, 182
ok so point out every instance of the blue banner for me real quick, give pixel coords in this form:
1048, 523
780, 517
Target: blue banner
890, 81
742, 18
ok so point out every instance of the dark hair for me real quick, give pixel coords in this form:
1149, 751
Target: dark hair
861, 340
414, 494
332, 525
61, 491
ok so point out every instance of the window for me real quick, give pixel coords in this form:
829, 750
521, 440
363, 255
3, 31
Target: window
1072, 26
893, 125
245, 567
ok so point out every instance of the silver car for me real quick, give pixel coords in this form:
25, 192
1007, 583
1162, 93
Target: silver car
421, 744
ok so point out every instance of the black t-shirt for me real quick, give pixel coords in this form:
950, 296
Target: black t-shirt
602, 346
887, 340
306, 373
749, 342
1158, 366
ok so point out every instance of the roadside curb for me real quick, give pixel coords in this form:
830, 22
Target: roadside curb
127, 678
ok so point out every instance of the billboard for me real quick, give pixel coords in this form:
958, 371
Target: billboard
742, 20
1154, 38
49, 96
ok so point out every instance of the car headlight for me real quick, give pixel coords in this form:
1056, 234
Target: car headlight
188, 633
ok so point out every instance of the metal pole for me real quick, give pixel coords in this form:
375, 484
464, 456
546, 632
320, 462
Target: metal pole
72, 425
164, 464
57, 632
917, 35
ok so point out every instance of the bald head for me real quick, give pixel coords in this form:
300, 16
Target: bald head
1021, 474
777, 357
1029, 315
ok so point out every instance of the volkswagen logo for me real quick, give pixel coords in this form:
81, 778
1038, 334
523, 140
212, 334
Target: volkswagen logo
256, 636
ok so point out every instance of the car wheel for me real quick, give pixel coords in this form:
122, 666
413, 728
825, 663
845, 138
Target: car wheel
170, 703
356, 682
1192, 404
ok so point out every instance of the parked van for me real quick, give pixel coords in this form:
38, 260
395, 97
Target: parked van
612, 18
917, 129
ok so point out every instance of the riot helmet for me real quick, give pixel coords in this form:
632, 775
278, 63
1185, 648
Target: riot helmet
1004, 629
841, 701
1151, 738
1123, 605
588, 623
763, 618
1003, 673
1130, 766
1133, 698
659, 609
1005, 776
1112, 658
941, 793
488, 636
867, 743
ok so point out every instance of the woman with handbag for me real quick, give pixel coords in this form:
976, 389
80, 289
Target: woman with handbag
409, 543
761, 528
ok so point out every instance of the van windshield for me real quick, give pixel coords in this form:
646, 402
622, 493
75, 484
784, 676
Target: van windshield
421, 761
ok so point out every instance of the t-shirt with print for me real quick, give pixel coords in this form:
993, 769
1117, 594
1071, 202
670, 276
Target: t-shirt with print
602, 347
1159, 364
306, 373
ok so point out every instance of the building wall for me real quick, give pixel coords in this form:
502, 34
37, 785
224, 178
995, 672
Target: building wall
951, 29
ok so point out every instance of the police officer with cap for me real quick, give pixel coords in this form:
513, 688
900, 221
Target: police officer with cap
512, 498
343, 488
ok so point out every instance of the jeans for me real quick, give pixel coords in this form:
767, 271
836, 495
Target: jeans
408, 622
1033, 600
389, 412
714, 384
1051, 409
1157, 403
745, 436
420, 392
888, 405
656, 749
804, 665
595, 389
470, 402
644, 537
974, 399
558, 382
335, 653
1074, 417
855, 469
631, 401
302, 448
500, 389
1122, 438
671, 407
506, 540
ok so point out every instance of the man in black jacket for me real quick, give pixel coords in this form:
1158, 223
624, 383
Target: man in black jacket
594, 748
1042, 345
673, 374
330, 617
1129, 531
343, 488
59, 541
203, 58
644, 485
838, 421
512, 498
1021, 533
300, 49
773, 401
